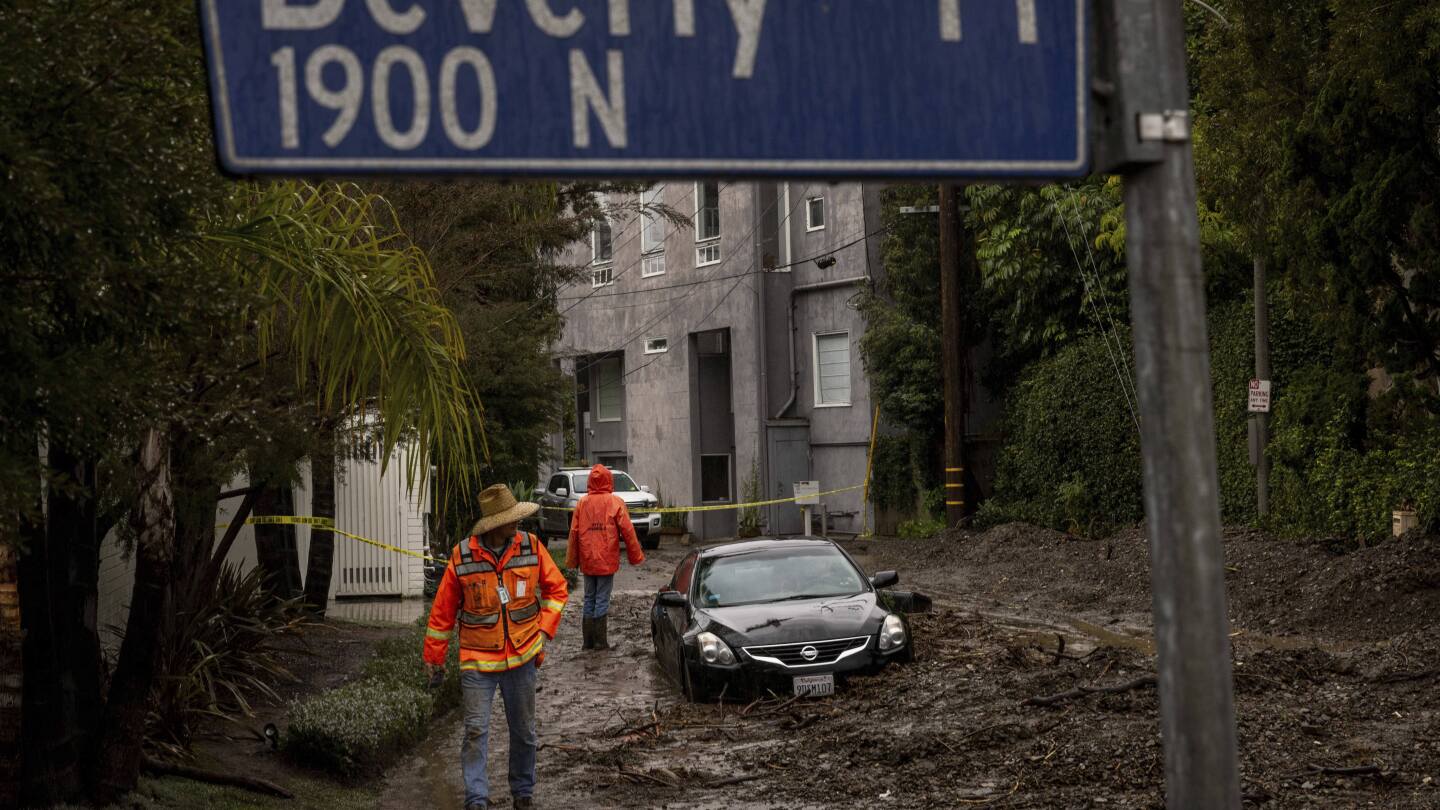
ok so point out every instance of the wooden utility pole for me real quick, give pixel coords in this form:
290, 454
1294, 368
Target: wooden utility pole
953, 351
1260, 422
1177, 421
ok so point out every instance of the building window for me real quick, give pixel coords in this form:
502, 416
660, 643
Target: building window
602, 237
715, 479
652, 233
653, 236
602, 276
815, 214
657, 345
609, 391
707, 223
832, 369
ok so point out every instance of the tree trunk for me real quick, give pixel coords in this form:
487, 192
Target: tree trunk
322, 542
58, 575
12, 674
123, 731
275, 547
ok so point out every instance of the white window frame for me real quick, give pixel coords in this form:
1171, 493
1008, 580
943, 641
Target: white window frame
599, 389
729, 477
602, 275
815, 364
657, 345
707, 248
809, 212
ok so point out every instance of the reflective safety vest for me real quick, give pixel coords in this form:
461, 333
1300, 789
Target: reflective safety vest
505, 608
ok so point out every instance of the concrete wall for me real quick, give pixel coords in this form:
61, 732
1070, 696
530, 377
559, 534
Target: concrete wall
685, 300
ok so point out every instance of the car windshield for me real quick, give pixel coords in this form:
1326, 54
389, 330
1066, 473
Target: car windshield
776, 575
623, 483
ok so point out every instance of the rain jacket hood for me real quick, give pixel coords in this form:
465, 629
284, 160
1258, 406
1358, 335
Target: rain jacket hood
601, 481
601, 521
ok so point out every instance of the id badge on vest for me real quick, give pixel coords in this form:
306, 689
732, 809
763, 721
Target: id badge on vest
504, 595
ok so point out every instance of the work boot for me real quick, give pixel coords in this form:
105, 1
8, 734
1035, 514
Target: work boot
587, 632
524, 803
602, 632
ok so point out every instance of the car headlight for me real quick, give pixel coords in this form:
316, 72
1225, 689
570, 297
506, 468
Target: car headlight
713, 650
892, 633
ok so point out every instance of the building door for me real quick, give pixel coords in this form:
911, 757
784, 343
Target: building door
713, 432
789, 462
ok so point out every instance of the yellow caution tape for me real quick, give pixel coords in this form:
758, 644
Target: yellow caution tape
324, 523
716, 507
327, 523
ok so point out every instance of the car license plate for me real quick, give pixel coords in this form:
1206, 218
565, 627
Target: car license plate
815, 685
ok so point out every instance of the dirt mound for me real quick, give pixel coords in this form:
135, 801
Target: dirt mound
1275, 586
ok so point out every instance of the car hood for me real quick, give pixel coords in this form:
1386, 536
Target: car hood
635, 498
790, 622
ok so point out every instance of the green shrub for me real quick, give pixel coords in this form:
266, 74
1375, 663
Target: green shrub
1071, 452
360, 728
217, 648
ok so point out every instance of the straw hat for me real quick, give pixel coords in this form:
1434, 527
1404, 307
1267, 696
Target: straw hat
499, 507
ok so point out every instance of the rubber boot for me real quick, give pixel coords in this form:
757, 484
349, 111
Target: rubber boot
587, 631
602, 632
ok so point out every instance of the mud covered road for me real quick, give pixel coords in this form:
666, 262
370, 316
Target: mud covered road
1337, 661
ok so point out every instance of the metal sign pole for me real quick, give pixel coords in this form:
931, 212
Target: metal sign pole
1167, 303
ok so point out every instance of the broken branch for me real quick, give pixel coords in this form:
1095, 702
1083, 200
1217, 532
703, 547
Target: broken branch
1082, 691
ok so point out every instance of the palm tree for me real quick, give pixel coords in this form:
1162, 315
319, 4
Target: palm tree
351, 306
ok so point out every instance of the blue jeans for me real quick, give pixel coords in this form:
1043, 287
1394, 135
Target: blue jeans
597, 595
517, 688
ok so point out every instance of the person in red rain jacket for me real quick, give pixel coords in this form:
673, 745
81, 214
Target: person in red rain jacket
600, 522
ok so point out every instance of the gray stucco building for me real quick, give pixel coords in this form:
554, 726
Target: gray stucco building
720, 358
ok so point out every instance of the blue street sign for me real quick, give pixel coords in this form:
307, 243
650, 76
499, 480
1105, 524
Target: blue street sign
825, 88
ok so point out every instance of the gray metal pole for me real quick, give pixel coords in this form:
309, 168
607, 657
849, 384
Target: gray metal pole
1167, 301
1262, 372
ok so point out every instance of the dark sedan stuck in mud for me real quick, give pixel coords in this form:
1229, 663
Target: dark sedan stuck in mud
774, 616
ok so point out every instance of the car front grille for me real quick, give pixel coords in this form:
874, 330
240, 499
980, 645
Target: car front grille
821, 652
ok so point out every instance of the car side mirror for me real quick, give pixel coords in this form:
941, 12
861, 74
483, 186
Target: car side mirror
885, 579
562, 492
672, 599
644, 487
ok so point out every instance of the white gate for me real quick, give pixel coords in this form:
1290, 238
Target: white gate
376, 507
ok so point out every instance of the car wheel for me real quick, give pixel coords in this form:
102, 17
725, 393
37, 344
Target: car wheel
650, 541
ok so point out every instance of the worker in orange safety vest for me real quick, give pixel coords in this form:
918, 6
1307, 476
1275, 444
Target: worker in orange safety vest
506, 595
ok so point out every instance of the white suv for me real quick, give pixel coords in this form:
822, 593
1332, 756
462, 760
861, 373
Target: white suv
565, 489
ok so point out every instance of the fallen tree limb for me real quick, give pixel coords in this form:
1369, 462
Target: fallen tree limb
642, 775
1358, 770
1083, 691
1403, 677
249, 783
